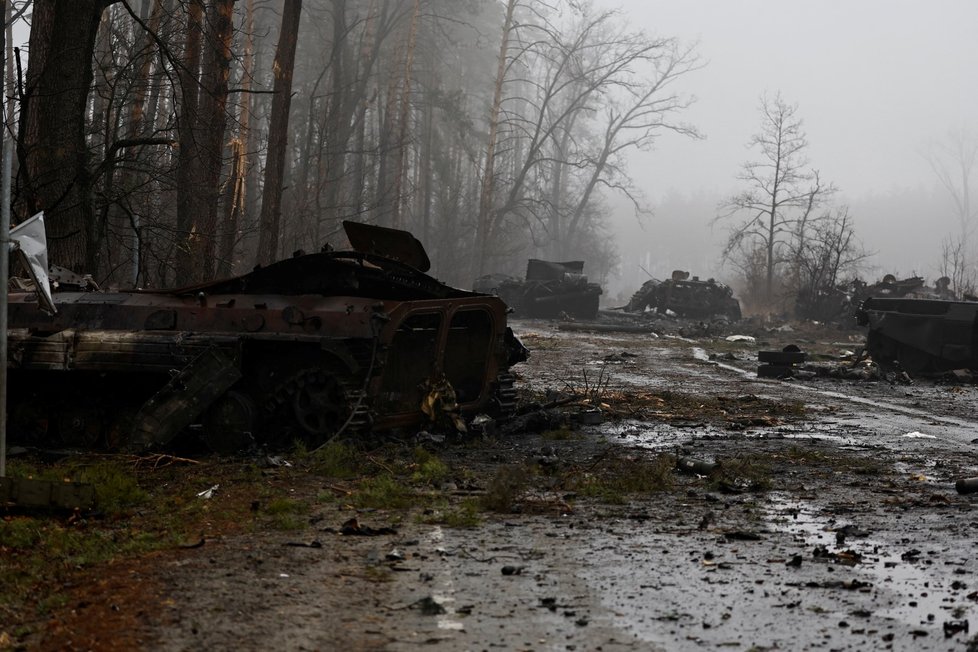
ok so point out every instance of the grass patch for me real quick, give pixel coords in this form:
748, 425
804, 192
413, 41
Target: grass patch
142, 507
745, 472
335, 460
466, 514
614, 478
429, 469
382, 492
857, 464
505, 488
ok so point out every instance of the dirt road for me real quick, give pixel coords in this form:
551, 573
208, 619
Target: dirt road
835, 525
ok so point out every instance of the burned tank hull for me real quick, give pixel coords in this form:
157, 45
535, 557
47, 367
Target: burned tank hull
693, 298
921, 335
551, 290
320, 345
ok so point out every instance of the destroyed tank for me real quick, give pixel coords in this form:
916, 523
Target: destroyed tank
921, 335
686, 297
337, 343
550, 290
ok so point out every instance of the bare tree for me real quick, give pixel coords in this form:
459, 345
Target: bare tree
556, 74
955, 161
782, 195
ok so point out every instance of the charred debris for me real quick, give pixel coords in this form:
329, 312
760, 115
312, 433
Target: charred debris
318, 346
686, 297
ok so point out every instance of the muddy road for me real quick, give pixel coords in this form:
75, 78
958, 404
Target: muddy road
834, 524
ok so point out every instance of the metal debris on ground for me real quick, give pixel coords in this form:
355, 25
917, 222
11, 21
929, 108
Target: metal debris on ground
207, 494
780, 364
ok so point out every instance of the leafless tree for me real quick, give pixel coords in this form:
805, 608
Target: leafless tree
570, 98
955, 162
781, 197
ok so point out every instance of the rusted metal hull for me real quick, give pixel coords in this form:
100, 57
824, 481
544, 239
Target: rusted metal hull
306, 348
921, 335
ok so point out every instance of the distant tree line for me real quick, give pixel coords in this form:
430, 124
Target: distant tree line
175, 141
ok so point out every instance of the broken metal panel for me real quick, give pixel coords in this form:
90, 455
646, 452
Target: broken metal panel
184, 398
921, 335
387, 243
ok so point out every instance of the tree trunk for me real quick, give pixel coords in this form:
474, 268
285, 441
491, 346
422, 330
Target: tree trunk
278, 135
483, 234
54, 167
188, 171
240, 165
214, 74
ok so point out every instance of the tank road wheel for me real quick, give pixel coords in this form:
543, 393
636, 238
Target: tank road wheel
320, 404
229, 423
80, 426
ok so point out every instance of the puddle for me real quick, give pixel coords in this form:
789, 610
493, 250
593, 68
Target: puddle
906, 585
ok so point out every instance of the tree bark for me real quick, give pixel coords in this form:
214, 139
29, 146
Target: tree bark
278, 135
188, 172
483, 230
54, 173
215, 71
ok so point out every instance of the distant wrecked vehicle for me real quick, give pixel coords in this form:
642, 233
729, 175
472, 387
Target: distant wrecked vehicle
686, 297
550, 290
921, 335
310, 348
839, 303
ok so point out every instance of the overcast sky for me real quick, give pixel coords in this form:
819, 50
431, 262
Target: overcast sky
875, 81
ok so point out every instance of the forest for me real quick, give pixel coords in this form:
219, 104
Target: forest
170, 142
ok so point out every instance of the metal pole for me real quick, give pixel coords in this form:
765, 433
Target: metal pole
4, 272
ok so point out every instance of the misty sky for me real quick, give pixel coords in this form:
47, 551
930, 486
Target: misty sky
875, 81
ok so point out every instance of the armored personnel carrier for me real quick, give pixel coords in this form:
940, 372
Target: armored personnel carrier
336, 343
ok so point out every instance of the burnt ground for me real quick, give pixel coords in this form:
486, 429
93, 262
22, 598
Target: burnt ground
830, 523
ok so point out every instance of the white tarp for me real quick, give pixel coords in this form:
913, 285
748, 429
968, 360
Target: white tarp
29, 242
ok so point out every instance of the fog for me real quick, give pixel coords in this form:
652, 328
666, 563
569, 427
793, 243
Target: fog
876, 82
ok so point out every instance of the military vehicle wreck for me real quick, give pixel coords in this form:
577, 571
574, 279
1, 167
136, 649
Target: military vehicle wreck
840, 303
550, 290
319, 345
921, 335
686, 297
